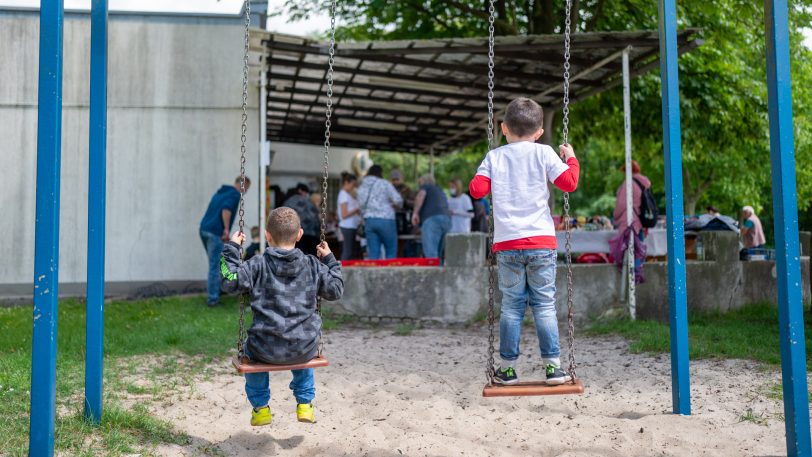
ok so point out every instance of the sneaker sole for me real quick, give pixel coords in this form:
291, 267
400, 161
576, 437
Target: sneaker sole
306, 421
506, 383
558, 381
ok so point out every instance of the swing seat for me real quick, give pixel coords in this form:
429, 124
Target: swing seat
245, 365
526, 389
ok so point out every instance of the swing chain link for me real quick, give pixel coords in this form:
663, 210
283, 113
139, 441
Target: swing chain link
243, 140
328, 112
567, 221
491, 257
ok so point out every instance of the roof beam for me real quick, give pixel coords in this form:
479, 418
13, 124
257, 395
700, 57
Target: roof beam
602, 43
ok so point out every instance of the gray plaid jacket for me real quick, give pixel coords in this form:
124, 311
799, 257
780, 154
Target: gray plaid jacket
283, 286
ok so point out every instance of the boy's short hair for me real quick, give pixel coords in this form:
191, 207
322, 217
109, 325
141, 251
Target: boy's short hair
283, 225
524, 117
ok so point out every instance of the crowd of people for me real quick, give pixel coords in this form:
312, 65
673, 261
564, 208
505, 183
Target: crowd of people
378, 218
388, 219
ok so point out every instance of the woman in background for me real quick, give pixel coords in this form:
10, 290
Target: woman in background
349, 215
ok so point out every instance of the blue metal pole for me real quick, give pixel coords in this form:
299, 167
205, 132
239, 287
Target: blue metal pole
677, 295
96, 203
46, 244
785, 206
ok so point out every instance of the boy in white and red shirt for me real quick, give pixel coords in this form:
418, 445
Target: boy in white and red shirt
516, 176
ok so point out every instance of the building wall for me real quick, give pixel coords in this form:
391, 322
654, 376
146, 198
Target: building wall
174, 96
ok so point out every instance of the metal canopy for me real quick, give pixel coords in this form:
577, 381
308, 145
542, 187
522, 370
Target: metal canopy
431, 95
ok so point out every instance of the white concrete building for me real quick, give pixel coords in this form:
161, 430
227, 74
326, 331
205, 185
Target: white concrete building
174, 96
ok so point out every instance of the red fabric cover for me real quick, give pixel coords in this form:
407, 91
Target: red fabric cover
398, 262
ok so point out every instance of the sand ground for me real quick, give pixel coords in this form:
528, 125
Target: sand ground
420, 395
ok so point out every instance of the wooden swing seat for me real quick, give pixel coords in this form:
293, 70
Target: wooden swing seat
525, 389
245, 365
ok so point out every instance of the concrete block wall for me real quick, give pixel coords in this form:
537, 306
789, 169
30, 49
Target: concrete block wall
458, 292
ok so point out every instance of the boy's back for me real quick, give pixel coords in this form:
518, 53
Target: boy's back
517, 174
284, 285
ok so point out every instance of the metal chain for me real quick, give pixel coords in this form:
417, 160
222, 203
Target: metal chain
567, 223
328, 112
243, 140
489, 369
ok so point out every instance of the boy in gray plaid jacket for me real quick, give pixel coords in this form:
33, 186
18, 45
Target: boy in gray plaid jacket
284, 285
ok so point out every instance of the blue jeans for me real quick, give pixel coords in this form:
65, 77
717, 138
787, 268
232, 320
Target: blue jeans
432, 235
528, 276
258, 389
641, 238
214, 249
381, 232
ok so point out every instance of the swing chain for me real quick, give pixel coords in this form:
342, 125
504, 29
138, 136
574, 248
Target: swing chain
243, 140
491, 258
328, 112
567, 221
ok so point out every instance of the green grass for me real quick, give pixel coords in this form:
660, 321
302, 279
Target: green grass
748, 333
404, 330
177, 329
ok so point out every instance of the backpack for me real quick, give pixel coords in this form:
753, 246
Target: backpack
648, 207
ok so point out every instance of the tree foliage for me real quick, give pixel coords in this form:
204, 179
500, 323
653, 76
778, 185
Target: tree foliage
723, 90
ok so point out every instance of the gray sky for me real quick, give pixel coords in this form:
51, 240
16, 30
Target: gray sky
278, 24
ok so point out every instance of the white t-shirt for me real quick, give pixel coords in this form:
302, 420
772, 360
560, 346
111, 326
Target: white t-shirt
519, 173
353, 221
462, 211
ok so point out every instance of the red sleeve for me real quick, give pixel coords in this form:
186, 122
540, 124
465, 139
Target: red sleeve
568, 181
480, 186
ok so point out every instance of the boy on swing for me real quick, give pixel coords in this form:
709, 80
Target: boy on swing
524, 241
284, 285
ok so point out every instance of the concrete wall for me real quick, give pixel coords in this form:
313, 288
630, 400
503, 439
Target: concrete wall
174, 94
459, 292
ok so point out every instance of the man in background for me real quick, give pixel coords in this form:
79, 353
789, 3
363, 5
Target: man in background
215, 228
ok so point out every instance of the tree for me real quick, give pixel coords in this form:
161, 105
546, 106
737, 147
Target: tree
722, 86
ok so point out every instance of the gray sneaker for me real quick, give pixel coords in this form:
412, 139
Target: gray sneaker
556, 376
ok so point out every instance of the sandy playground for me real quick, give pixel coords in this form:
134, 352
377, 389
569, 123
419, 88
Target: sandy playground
420, 395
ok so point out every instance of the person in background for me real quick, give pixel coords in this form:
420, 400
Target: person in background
752, 231
253, 248
316, 198
712, 211
601, 222
403, 215
460, 208
379, 200
479, 223
349, 215
431, 214
214, 230
308, 215
639, 182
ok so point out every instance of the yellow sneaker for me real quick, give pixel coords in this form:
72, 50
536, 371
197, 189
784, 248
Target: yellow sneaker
306, 413
261, 417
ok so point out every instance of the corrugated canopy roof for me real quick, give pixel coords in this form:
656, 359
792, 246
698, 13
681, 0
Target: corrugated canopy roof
419, 95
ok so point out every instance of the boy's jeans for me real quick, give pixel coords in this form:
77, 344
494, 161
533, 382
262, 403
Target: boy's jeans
258, 389
214, 249
381, 232
528, 276
433, 233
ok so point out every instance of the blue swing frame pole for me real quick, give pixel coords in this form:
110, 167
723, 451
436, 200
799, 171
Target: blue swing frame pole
46, 243
96, 205
672, 143
785, 207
